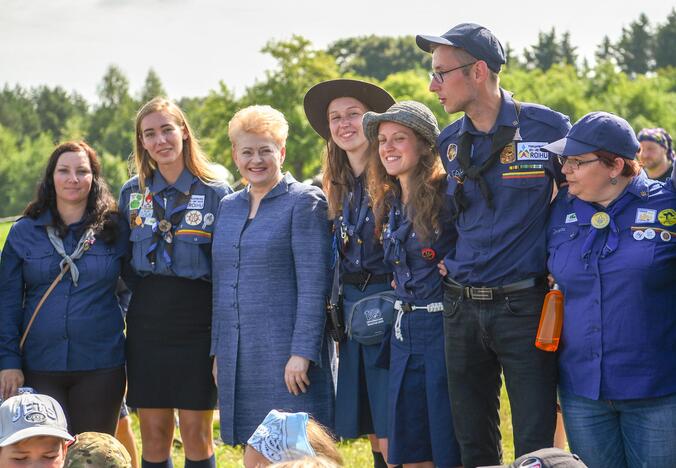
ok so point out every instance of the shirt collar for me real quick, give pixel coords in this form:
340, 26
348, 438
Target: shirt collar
182, 184
639, 186
45, 219
281, 188
506, 117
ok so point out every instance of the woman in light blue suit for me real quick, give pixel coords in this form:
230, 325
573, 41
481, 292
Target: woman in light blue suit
271, 255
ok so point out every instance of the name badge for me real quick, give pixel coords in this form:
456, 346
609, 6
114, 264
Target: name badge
196, 202
645, 216
531, 151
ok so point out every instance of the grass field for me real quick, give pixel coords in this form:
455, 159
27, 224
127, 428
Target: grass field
356, 453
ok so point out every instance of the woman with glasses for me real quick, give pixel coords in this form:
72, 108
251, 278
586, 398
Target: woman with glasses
335, 109
612, 250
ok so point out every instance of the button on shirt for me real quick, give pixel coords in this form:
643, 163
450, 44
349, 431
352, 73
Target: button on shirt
505, 244
414, 262
78, 327
191, 237
619, 331
359, 225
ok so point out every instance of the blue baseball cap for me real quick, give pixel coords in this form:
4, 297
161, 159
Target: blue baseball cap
597, 131
477, 40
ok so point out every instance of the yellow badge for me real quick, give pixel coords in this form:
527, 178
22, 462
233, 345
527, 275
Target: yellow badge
508, 155
138, 221
667, 217
452, 151
600, 220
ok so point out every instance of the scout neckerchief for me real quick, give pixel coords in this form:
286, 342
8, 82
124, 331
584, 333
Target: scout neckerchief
395, 235
503, 136
166, 223
347, 229
86, 240
599, 221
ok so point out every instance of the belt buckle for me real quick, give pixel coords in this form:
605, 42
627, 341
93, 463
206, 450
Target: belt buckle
480, 294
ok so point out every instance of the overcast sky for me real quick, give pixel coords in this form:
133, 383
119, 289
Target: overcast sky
193, 44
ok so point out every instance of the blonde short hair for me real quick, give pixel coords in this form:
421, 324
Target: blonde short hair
259, 120
308, 462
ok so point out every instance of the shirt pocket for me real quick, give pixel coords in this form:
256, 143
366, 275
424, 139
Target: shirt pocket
97, 261
40, 266
561, 245
191, 252
141, 239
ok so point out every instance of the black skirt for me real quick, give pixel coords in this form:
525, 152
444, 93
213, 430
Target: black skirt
168, 341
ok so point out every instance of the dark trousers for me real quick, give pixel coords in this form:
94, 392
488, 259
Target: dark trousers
90, 399
483, 338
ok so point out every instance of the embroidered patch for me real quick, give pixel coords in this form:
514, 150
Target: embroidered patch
645, 216
531, 151
145, 212
507, 154
135, 200
193, 217
452, 151
667, 217
196, 202
193, 232
571, 218
523, 175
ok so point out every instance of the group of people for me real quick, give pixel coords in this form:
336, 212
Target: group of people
456, 235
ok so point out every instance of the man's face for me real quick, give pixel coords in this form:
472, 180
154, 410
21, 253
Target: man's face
457, 90
34, 452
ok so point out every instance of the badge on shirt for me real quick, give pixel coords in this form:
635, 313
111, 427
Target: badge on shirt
507, 154
150, 221
600, 219
428, 253
196, 202
649, 233
665, 236
135, 200
193, 217
645, 215
209, 220
145, 212
571, 218
667, 217
452, 151
531, 151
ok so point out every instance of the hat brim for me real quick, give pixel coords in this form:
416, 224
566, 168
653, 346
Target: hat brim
373, 120
318, 98
569, 147
18, 436
426, 42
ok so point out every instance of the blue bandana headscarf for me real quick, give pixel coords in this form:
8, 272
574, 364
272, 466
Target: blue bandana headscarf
659, 136
282, 437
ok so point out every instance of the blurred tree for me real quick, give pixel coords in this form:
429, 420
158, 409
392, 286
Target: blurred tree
665, 42
567, 51
634, 50
545, 53
152, 87
17, 112
604, 51
55, 107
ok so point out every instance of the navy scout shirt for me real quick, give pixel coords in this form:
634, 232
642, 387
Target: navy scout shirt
507, 243
619, 288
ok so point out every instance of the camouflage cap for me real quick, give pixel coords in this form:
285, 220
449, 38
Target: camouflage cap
97, 450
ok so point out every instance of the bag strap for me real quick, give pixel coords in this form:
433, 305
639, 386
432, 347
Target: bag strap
335, 287
39, 306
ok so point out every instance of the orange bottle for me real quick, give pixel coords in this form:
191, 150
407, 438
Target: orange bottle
551, 321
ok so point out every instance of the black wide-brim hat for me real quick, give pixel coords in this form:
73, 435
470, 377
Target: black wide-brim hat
318, 98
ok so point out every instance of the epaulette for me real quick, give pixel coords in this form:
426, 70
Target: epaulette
450, 130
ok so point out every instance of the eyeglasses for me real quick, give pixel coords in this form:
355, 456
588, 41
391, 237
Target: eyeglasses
439, 75
574, 163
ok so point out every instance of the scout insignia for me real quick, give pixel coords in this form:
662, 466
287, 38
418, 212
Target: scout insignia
649, 233
164, 226
208, 220
600, 220
193, 217
428, 253
571, 218
145, 212
133, 214
507, 155
531, 151
138, 221
452, 151
645, 216
196, 202
638, 235
150, 221
667, 217
665, 236
135, 200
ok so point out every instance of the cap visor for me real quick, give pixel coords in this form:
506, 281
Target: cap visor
568, 147
425, 42
36, 432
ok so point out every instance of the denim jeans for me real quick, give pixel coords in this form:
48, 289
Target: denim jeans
483, 339
621, 433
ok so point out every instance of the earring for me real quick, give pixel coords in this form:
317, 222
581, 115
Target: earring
613, 181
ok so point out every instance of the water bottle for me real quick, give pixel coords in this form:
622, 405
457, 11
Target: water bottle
551, 321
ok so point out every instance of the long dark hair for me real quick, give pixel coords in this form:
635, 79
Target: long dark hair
101, 212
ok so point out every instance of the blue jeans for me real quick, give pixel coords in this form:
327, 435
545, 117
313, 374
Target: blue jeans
621, 433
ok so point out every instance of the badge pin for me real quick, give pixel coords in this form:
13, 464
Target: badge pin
135, 200
428, 253
649, 233
600, 220
208, 220
639, 235
667, 217
193, 217
164, 226
665, 236
507, 155
452, 151
138, 221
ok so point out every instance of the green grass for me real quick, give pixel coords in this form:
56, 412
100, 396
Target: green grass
4, 230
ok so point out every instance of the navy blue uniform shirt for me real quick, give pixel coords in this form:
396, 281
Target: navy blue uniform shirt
191, 256
78, 327
362, 251
505, 244
413, 262
619, 330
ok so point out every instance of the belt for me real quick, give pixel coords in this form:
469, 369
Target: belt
487, 294
402, 307
364, 278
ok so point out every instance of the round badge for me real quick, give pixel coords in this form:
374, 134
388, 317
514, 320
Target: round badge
665, 236
667, 217
638, 235
208, 219
428, 253
507, 154
452, 151
164, 226
649, 233
193, 217
600, 220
